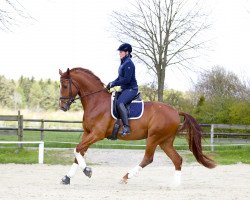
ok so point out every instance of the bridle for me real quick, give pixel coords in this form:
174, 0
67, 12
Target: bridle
71, 99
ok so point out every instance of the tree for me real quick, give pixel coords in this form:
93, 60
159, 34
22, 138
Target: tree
7, 89
35, 96
21, 100
239, 113
164, 33
223, 98
12, 13
49, 98
25, 84
220, 83
148, 91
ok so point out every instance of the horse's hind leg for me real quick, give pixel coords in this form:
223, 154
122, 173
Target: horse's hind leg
167, 147
147, 159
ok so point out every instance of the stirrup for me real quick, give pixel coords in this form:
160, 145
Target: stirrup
125, 131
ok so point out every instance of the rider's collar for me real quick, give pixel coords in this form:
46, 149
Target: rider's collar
124, 58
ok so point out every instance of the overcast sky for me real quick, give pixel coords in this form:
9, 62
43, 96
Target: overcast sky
75, 33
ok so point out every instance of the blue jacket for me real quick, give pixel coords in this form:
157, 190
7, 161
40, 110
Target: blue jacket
126, 78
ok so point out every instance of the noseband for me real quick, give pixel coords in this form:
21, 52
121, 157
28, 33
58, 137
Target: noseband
71, 99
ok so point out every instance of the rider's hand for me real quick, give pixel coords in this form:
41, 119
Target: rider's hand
109, 86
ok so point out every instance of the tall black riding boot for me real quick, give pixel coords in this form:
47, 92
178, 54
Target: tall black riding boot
124, 117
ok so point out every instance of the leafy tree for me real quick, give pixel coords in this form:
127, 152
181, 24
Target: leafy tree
179, 100
220, 83
20, 93
25, 84
76, 106
7, 89
239, 113
49, 98
35, 96
148, 91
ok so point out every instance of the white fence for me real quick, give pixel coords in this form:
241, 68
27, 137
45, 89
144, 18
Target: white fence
40, 148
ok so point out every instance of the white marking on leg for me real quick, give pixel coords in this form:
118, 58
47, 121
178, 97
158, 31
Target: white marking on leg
72, 170
177, 178
134, 172
80, 160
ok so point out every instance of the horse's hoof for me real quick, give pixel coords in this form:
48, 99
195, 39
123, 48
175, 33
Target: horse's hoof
87, 171
65, 180
124, 181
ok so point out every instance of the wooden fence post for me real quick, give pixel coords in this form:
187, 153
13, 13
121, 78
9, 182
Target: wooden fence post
20, 129
212, 137
42, 131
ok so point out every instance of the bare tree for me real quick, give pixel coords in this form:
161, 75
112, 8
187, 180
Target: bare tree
11, 13
163, 33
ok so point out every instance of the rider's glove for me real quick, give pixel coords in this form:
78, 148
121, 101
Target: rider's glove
109, 86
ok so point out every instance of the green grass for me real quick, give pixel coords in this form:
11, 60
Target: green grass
232, 155
222, 155
16, 155
9, 153
30, 156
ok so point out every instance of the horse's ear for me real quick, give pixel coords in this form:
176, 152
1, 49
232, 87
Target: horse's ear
68, 71
60, 72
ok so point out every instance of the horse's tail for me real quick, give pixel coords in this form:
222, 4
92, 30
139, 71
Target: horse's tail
194, 140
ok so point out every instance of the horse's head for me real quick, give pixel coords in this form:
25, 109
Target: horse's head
68, 90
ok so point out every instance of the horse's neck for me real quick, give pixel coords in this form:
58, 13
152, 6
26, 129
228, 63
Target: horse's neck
91, 93
92, 102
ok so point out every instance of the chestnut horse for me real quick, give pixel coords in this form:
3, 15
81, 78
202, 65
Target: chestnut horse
159, 124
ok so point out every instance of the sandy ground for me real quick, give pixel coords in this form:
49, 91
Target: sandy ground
43, 181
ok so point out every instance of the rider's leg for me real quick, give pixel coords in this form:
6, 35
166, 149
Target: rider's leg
125, 97
123, 113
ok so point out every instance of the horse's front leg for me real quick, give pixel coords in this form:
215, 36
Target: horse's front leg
79, 152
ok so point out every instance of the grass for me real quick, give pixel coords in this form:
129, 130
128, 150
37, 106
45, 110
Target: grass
16, 155
30, 156
10, 153
222, 155
232, 155
69, 140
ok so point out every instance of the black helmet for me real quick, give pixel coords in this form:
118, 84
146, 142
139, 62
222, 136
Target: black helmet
125, 47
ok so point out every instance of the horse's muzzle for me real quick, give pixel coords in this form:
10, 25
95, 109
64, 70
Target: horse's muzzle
64, 107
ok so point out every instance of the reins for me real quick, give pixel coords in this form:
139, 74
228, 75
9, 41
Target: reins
71, 99
91, 93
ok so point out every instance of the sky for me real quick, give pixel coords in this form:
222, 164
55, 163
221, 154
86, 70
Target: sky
75, 33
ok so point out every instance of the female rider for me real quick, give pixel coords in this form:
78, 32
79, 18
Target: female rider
127, 80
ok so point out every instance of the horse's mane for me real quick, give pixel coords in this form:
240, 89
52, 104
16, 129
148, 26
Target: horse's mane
87, 71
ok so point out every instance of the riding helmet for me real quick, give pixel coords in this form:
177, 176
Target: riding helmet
125, 47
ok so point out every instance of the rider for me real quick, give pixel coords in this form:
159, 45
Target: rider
126, 79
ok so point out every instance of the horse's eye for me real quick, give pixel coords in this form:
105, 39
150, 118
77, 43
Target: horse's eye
65, 86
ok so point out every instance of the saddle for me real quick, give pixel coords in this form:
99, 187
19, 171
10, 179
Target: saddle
135, 107
135, 111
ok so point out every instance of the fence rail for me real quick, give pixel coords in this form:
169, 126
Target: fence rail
20, 128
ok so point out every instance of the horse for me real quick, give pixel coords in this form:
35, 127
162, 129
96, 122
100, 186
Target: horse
159, 125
